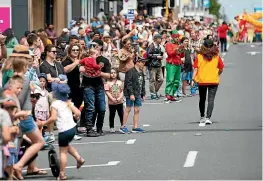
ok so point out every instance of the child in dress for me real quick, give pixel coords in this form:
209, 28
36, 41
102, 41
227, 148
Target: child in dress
114, 91
62, 111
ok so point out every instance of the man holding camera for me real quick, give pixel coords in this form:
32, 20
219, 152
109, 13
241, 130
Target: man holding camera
155, 56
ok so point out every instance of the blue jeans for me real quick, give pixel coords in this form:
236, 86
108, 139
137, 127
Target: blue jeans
94, 102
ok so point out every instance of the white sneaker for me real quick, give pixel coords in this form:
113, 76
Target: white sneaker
76, 137
208, 121
51, 138
202, 120
112, 130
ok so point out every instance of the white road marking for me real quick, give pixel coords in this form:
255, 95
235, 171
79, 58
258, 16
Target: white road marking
129, 125
130, 142
111, 163
190, 159
146, 125
252, 46
101, 142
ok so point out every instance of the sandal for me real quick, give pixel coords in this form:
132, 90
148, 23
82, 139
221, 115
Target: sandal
80, 162
38, 172
62, 177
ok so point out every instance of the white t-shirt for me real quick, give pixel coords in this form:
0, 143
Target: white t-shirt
65, 117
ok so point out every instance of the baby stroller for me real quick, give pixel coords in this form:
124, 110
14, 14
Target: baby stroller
52, 157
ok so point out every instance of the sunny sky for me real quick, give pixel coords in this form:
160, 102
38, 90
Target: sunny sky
236, 7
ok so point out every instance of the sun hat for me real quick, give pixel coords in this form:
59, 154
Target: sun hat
61, 91
9, 103
21, 51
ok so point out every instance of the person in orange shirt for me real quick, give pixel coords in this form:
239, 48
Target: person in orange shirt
208, 67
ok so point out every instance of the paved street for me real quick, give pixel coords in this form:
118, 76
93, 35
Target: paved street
174, 146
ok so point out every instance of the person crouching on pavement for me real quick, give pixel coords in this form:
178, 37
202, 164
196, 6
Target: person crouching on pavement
173, 67
155, 56
208, 67
134, 91
62, 111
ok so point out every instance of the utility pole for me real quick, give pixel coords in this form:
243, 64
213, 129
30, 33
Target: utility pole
167, 8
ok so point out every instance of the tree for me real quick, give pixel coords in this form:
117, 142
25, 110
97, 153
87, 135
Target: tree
215, 8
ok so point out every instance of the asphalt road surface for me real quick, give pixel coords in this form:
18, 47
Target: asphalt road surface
174, 146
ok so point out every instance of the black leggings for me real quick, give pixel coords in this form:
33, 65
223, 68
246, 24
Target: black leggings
113, 109
211, 97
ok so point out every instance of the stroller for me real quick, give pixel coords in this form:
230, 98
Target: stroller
52, 157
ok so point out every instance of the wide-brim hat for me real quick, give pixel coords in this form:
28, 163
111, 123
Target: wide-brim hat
9, 102
21, 51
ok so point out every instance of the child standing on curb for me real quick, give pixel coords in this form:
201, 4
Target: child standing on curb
114, 91
134, 91
62, 111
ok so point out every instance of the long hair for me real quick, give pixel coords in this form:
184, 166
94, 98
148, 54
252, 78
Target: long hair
117, 73
9, 33
70, 49
209, 53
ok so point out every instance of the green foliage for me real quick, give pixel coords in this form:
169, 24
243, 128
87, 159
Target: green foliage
215, 8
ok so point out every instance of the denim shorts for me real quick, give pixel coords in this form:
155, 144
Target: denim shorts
136, 103
28, 125
64, 138
187, 76
13, 158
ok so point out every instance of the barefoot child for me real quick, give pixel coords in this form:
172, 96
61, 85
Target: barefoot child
114, 91
62, 111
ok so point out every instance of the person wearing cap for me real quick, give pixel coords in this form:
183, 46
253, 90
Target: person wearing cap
107, 46
65, 35
173, 67
61, 46
208, 67
134, 91
155, 56
63, 111
94, 92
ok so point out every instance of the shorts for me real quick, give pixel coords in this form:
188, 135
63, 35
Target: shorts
28, 125
187, 76
136, 103
64, 138
13, 158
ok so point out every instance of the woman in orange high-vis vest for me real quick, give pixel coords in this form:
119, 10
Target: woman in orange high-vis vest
207, 69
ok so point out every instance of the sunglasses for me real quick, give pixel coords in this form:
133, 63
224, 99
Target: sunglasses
75, 50
54, 52
34, 96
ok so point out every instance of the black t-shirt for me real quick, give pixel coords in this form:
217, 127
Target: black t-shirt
97, 81
54, 70
188, 62
73, 76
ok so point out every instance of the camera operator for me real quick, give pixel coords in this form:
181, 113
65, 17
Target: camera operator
155, 56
